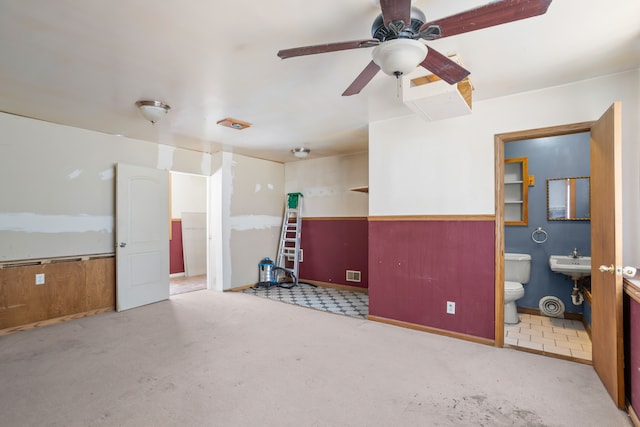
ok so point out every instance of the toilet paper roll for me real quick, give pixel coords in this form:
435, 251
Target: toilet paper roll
631, 273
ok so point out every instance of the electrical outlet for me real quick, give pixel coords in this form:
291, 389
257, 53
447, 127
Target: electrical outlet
451, 307
40, 279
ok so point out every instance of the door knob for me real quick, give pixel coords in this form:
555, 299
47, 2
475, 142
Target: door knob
617, 270
611, 269
122, 244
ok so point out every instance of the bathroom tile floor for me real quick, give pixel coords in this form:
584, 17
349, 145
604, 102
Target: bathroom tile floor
554, 337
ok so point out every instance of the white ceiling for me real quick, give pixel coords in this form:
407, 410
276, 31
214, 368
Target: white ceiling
84, 63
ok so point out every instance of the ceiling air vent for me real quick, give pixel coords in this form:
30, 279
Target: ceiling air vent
234, 124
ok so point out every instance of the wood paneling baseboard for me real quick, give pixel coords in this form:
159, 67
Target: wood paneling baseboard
335, 286
334, 218
479, 217
313, 282
536, 311
433, 218
72, 286
48, 322
432, 330
632, 415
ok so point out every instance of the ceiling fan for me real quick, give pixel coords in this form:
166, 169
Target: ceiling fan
397, 31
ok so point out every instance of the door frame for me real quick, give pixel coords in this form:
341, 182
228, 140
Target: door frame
499, 141
208, 228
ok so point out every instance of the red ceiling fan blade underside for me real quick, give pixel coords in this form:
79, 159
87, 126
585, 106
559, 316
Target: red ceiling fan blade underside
500, 12
443, 67
362, 80
396, 10
327, 47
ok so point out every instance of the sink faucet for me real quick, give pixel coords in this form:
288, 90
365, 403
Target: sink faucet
574, 253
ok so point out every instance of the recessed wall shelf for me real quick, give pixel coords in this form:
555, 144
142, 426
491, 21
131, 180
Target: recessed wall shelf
516, 191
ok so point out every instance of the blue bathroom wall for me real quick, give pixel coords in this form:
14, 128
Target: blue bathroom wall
586, 312
555, 157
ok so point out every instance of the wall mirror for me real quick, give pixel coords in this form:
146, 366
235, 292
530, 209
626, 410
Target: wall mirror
568, 199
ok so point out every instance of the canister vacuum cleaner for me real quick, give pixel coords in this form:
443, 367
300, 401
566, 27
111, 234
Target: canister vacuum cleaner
269, 274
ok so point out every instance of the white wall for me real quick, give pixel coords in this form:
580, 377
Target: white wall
57, 194
188, 194
447, 167
218, 201
325, 184
251, 196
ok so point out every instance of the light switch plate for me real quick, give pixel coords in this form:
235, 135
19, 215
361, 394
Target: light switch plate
40, 279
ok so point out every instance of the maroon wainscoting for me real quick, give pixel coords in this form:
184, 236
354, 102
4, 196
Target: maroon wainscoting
176, 257
331, 246
416, 266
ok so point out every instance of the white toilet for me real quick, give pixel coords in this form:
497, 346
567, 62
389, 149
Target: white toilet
517, 271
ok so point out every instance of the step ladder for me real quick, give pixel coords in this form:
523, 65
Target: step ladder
288, 257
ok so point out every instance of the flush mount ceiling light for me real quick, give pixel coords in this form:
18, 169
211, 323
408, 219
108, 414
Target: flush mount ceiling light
399, 56
153, 110
234, 124
301, 152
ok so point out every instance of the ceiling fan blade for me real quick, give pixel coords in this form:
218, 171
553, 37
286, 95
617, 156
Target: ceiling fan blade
496, 13
361, 81
327, 47
443, 67
396, 10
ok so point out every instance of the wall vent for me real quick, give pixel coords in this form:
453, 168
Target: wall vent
353, 276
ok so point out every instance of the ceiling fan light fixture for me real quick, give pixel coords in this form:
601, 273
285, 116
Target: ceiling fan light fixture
301, 152
399, 56
153, 110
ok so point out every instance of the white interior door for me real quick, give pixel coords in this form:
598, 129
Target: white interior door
142, 236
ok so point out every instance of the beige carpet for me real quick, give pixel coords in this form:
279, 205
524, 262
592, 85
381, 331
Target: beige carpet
230, 359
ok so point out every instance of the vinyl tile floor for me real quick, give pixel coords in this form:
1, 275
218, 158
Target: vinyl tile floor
180, 285
349, 303
550, 336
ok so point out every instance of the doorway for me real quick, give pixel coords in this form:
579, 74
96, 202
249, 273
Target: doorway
606, 240
500, 141
188, 242
554, 312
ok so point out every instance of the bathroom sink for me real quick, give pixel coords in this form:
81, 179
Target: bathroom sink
570, 266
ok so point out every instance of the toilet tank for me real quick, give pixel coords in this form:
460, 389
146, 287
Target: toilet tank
517, 267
